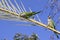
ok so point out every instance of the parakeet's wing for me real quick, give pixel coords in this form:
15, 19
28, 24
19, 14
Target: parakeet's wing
53, 24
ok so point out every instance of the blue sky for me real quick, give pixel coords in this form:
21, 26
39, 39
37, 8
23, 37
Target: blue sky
9, 28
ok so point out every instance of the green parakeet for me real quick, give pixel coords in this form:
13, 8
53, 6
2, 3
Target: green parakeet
28, 14
52, 25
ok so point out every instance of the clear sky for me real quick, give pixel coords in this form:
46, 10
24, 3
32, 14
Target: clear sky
9, 28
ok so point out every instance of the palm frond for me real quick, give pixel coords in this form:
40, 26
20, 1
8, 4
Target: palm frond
19, 9
23, 7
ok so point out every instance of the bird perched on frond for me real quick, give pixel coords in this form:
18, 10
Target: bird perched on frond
28, 14
52, 25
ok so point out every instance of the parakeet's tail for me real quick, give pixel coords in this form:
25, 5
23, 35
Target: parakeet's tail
38, 12
34, 13
56, 35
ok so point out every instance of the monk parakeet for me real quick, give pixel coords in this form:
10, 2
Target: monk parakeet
52, 25
28, 14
